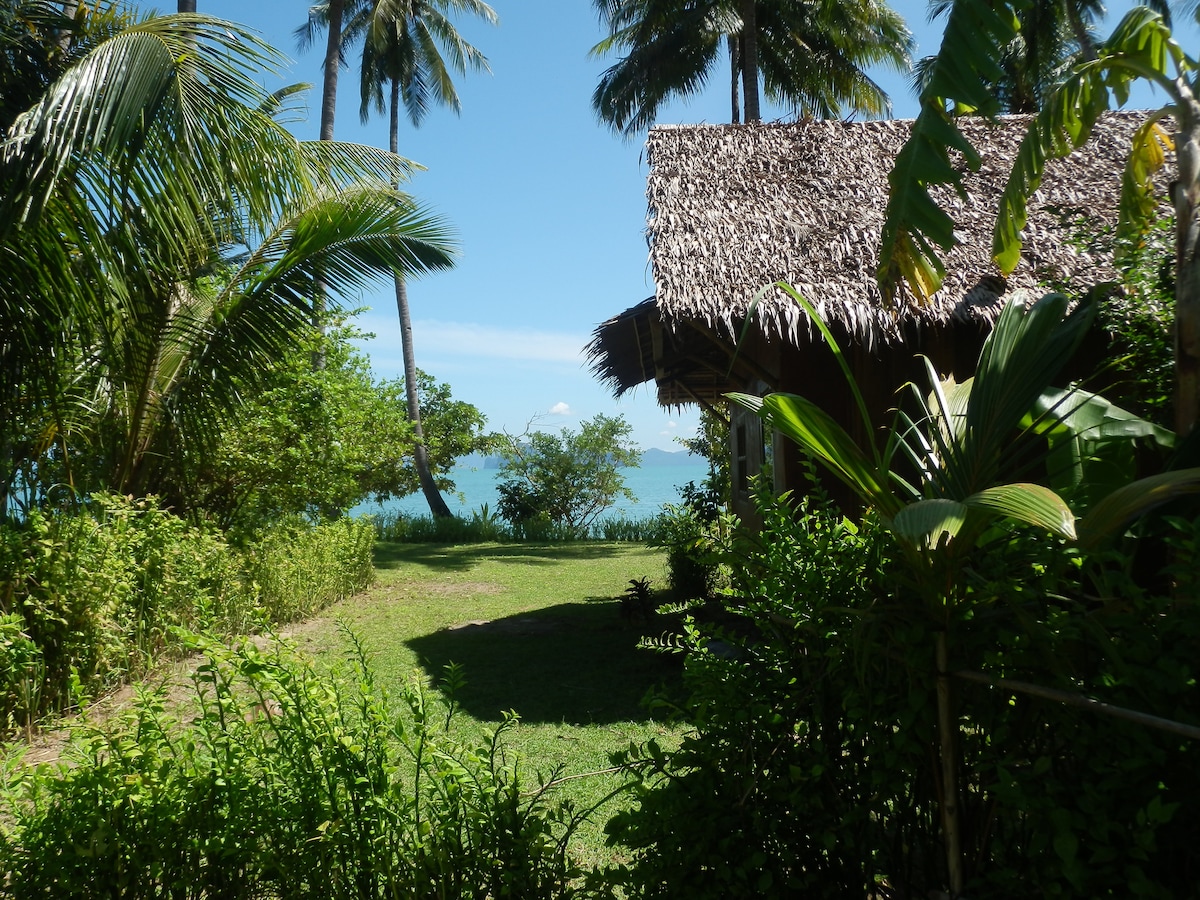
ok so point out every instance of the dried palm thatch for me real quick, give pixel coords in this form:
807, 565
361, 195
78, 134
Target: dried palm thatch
736, 208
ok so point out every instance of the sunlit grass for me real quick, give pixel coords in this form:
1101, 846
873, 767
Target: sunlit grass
536, 629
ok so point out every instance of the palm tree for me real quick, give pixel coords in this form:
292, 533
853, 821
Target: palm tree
809, 54
411, 47
1053, 36
1140, 48
158, 267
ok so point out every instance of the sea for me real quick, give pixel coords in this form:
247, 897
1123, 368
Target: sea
654, 486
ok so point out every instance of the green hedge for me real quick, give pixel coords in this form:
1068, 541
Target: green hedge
92, 598
275, 779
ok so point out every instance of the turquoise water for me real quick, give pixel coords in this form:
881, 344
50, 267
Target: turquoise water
653, 486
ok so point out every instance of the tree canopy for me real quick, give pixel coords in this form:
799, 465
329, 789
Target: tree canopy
811, 55
566, 479
157, 267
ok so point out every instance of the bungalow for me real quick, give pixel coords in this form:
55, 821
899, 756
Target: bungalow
734, 209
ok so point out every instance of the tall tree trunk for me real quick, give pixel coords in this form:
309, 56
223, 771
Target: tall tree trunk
333, 61
70, 8
187, 6
735, 72
1087, 47
948, 757
749, 41
1187, 262
437, 504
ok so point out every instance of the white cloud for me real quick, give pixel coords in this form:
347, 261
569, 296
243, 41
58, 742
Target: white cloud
559, 409
498, 342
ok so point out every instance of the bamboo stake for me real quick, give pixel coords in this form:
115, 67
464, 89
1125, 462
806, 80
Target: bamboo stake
1079, 700
948, 730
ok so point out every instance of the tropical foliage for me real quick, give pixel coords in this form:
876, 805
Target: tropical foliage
566, 479
812, 55
317, 442
158, 268
944, 481
401, 41
1140, 48
95, 597
1052, 36
809, 764
273, 777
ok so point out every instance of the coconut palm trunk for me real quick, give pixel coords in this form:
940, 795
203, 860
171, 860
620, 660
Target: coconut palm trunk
437, 504
329, 80
749, 42
735, 70
1187, 261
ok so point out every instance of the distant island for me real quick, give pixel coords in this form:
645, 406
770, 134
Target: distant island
652, 457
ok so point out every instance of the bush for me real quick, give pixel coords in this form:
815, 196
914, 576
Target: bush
772, 754
95, 598
283, 781
808, 772
1141, 321
420, 529
565, 482
99, 592
685, 530
300, 568
484, 526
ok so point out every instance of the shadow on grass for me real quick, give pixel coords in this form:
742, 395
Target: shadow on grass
574, 663
460, 557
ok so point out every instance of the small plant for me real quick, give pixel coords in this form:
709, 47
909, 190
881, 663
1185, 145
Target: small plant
638, 603
685, 531
279, 780
566, 480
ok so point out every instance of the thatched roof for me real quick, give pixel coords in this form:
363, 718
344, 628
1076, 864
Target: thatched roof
734, 208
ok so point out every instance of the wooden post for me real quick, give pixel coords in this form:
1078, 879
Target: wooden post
948, 734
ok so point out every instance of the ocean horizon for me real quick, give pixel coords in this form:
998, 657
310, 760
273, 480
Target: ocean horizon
654, 486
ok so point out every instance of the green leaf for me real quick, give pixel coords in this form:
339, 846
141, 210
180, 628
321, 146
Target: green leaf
816, 432
1031, 504
925, 522
1091, 442
1025, 351
1147, 156
967, 64
1110, 516
1139, 48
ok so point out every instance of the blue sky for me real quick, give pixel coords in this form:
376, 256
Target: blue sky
548, 206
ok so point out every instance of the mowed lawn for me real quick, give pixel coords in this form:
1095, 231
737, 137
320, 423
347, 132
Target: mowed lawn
536, 629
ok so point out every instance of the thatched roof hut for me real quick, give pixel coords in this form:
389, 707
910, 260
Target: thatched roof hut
736, 208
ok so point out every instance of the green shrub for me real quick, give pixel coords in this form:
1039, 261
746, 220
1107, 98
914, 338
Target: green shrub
734, 812
623, 528
282, 781
21, 674
809, 768
300, 568
684, 531
485, 526
565, 480
100, 591
91, 599
1140, 321
400, 527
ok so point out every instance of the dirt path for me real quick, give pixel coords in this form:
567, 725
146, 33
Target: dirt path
172, 676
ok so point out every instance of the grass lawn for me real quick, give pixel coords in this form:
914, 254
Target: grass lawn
537, 630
